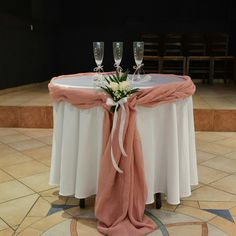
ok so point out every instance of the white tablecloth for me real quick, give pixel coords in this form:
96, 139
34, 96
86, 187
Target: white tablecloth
168, 143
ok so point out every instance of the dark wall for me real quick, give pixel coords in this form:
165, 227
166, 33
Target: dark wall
83, 23
63, 32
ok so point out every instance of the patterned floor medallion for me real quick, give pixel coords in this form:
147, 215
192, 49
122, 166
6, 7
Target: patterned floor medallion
168, 224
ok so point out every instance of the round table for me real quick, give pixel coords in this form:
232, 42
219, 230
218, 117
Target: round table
167, 136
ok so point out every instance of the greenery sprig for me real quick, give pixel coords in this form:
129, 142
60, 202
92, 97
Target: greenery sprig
118, 86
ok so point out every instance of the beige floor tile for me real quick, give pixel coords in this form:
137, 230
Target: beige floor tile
231, 99
7, 131
207, 175
13, 212
193, 230
29, 220
190, 203
214, 148
64, 229
17, 98
4, 177
35, 133
40, 209
77, 211
13, 189
30, 232
229, 142
50, 193
231, 155
3, 225
42, 154
14, 227
50, 221
200, 103
209, 136
27, 144
26, 169
13, 159
233, 211
38, 153
219, 103
199, 144
227, 184
10, 156
38, 182
45, 160
228, 134
216, 205
47, 140
5, 149
13, 138
215, 91
207, 193
194, 212
225, 225
196, 186
168, 207
6, 232
84, 228
204, 156
57, 200
222, 164
38, 101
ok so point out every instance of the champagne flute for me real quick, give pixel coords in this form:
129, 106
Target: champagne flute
138, 48
98, 52
117, 54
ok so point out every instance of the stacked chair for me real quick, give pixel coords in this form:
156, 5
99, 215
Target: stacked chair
173, 60
198, 65
152, 52
201, 56
222, 63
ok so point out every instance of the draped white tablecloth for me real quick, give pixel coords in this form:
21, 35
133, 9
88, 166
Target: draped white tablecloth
167, 136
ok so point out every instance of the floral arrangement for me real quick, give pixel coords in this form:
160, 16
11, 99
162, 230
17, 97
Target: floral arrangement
118, 87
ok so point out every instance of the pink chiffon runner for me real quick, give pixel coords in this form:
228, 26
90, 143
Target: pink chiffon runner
120, 200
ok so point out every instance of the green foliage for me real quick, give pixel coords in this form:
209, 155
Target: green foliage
117, 94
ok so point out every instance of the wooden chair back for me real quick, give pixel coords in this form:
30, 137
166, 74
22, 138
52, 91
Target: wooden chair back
152, 44
218, 44
173, 45
195, 45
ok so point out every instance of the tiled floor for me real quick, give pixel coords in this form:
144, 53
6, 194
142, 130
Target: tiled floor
29, 206
217, 96
29, 95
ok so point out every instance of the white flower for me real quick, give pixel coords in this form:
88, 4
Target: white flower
124, 85
114, 86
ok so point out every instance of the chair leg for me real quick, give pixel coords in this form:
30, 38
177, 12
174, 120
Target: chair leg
212, 70
158, 200
160, 66
225, 76
234, 70
184, 67
82, 203
187, 66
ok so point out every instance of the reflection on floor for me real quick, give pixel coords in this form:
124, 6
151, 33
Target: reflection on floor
29, 206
